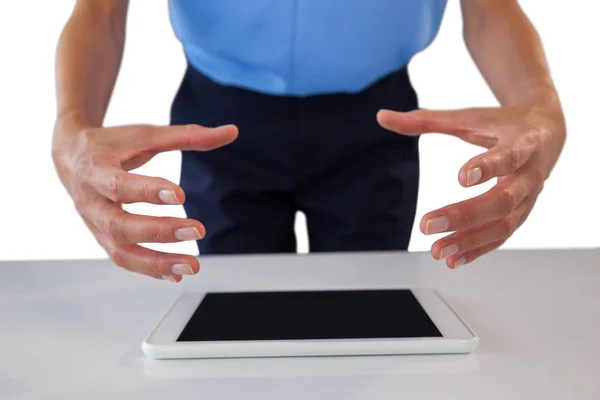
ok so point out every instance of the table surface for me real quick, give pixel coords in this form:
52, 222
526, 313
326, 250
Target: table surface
72, 330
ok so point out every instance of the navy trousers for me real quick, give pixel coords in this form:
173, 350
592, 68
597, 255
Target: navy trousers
325, 155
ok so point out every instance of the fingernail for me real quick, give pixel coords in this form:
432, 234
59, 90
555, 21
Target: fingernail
168, 197
189, 233
473, 176
449, 250
182, 269
169, 278
460, 262
436, 225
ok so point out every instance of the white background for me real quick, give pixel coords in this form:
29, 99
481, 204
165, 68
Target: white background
38, 221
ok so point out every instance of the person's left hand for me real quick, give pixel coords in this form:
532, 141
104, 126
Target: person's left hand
523, 145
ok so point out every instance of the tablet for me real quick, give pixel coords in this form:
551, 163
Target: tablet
309, 323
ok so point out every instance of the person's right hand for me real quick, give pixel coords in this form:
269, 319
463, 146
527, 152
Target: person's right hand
93, 165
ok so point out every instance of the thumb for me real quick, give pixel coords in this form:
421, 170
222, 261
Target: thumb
414, 123
159, 139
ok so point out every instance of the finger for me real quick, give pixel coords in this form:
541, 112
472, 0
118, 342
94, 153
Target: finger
466, 240
174, 274
153, 263
182, 137
496, 203
414, 123
124, 187
501, 160
125, 228
470, 256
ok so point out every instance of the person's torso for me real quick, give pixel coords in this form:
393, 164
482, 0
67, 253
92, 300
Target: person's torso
303, 47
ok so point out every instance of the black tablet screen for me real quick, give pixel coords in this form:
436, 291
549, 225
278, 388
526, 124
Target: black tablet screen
348, 314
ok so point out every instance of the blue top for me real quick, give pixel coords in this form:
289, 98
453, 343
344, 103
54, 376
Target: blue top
303, 47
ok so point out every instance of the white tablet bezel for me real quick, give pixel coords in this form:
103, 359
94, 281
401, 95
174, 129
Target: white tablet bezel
457, 337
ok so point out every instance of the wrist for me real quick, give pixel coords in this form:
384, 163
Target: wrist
547, 116
544, 105
67, 128
70, 121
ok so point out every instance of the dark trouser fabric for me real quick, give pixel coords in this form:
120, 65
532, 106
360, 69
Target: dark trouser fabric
324, 155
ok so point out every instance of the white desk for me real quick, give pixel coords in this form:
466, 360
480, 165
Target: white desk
72, 330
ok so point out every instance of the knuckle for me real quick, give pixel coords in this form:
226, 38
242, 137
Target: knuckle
507, 201
79, 193
146, 191
112, 186
157, 266
512, 159
539, 177
534, 141
488, 166
539, 188
156, 233
520, 219
190, 132
506, 226
117, 255
113, 227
